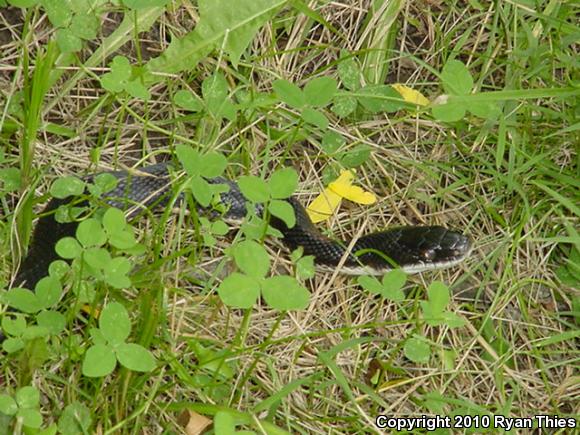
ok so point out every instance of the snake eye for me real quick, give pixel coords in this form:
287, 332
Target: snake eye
428, 254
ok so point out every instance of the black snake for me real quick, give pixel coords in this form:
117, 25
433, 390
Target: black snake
413, 248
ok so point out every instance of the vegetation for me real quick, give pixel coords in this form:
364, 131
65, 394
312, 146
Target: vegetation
173, 320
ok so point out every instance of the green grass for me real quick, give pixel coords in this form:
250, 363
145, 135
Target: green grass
498, 161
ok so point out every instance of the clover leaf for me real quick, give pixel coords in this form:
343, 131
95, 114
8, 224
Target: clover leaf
123, 77
111, 347
23, 406
458, 83
282, 184
433, 308
390, 287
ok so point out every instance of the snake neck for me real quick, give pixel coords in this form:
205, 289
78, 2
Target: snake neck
327, 253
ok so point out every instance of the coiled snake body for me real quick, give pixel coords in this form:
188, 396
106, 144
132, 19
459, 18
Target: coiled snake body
413, 248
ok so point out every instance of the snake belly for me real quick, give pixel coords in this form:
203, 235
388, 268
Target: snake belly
412, 248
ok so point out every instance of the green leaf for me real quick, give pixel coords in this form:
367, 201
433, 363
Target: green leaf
449, 110
84, 26
64, 187
251, 258
183, 53
27, 397
254, 188
110, 83
114, 220
34, 331
23, 300
68, 248
355, 156
116, 80
456, 78
97, 336
14, 326
190, 159
228, 111
289, 93
370, 284
103, 183
23, 3
58, 12
209, 240
215, 92
137, 89
140, 21
60, 130
453, 320
573, 263
380, 98
284, 293
123, 239
417, 350
214, 165
438, 294
187, 100
51, 320
484, 109
224, 423
135, 357
58, 269
431, 317
305, 267
566, 277
114, 323
239, 291
99, 361
283, 210
254, 227
11, 345
8, 405
237, 23
343, 106
11, 179
210, 360
48, 291
116, 273
393, 282
348, 71
320, 91
332, 142
283, 183
75, 419
97, 259
30, 417
90, 233
67, 41
219, 228
314, 117
201, 190
144, 4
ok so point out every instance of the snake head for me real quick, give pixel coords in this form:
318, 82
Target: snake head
414, 249
450, 247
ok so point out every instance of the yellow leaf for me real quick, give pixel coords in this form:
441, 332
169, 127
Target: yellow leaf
352, 193
411, 95
323, 206
326, 204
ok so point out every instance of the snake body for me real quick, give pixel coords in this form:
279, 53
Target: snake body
413, 248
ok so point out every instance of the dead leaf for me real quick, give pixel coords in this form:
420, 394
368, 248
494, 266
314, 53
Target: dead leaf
193, 423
